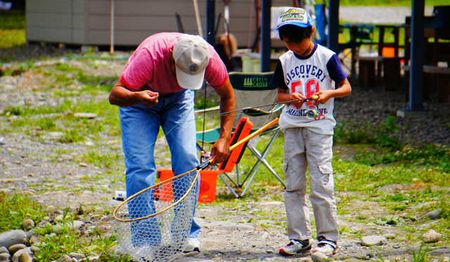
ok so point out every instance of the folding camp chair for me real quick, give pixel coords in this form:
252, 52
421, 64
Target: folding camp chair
257, 101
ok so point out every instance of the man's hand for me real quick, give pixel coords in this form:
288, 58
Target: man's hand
148, 98
220, 150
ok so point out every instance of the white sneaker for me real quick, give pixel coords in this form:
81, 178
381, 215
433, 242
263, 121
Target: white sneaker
192, 245
325, 246
296, 247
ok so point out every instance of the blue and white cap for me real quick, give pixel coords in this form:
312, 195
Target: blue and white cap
295, 16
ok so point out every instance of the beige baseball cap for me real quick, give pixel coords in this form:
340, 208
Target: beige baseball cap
191, 54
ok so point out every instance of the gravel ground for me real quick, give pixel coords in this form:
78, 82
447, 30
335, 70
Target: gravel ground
230, 233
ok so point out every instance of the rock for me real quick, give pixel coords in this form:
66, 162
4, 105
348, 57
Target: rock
27, 224
77, 256
432, 236
85, 115
35, 249
75, 225
373, 240
3, 250
319, 257
12, 237
4, 257
435, 214
53, 135
16, 247
23, 255
390, 236
65, 258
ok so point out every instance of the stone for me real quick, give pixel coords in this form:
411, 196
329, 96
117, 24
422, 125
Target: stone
16, 247
4, 257
432, 236
12, 237
28, 224
23, 255
435, 214
373, 240
85, 115
319, 257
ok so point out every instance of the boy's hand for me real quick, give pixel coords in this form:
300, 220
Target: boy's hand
322, 96
148, 97
299, 99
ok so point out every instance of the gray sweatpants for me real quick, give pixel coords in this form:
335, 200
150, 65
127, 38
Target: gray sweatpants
303, 148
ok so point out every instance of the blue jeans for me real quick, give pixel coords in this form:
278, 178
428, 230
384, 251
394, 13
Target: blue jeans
140, 127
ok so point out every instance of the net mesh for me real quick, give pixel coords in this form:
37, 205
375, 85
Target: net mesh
154, 224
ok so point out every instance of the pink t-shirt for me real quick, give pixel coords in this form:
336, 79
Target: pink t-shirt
149, 66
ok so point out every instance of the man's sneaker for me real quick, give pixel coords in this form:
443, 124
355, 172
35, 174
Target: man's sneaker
296, 247
325, 247
192, 245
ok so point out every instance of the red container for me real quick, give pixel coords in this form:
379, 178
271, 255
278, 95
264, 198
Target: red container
165, 191
208, 186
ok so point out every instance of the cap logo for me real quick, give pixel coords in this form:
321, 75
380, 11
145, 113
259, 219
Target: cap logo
193, 68
293, 14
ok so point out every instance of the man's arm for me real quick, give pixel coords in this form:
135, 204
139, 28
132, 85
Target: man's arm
220, 149
121, 96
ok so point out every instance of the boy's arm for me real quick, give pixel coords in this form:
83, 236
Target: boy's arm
285, 97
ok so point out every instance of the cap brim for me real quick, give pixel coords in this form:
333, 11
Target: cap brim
293, 23
188, 81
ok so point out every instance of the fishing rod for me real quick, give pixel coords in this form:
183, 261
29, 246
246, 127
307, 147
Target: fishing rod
257, 109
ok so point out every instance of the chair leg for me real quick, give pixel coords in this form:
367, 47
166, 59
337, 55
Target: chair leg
230, 187
261, 159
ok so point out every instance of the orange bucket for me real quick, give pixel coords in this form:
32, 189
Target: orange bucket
165, 192
208, 186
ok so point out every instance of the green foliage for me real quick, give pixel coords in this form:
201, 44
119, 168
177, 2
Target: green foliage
13, 111
102, 160
384, 135
12, 20
202, 103
12, 29
421, 255
431, 156
406, 3
16, 208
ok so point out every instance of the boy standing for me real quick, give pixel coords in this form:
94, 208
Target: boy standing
308, 76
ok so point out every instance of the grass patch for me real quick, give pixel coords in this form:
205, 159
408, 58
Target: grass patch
16, 208
389, 2
12, 29
60, 118
102, 160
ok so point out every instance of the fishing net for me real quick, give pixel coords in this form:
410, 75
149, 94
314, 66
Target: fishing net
154, 224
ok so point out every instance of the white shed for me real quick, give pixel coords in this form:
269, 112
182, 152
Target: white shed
88, 22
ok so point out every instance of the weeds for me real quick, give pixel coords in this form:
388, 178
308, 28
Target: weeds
421, 255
